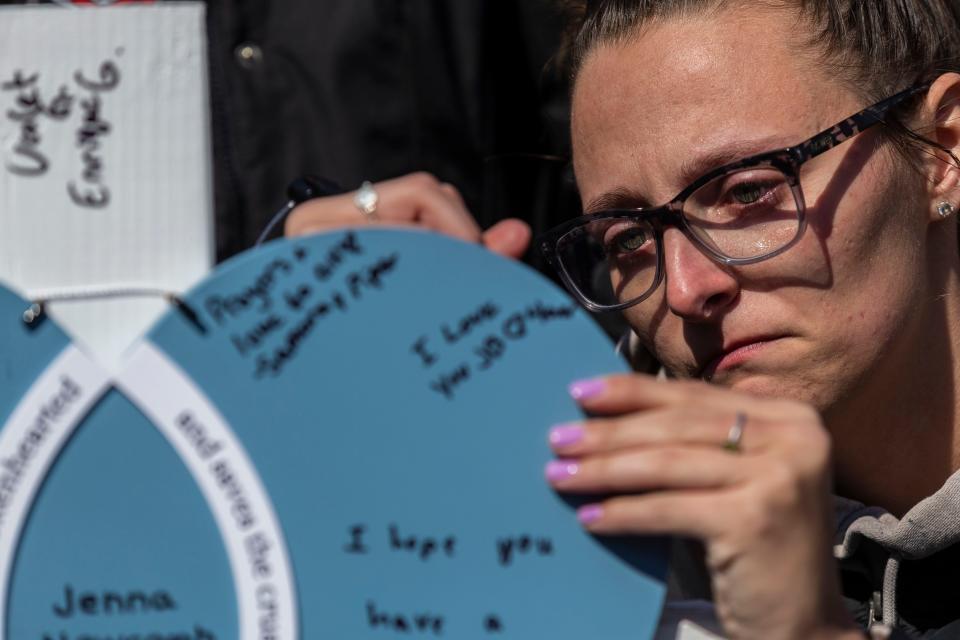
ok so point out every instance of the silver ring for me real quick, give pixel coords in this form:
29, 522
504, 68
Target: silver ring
366, 199
735, 435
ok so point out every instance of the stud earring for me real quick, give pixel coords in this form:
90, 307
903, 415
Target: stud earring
945, 209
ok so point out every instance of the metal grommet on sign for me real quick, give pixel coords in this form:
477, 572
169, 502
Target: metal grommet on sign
34, 314
366, 199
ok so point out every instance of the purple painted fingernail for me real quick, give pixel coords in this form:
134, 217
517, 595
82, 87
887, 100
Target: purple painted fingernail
558, 470
564, 435
586, 389
590, 513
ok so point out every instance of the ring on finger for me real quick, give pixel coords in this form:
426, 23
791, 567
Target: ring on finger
735, 435
366, 199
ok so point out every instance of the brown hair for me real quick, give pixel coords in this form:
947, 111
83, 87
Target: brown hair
877, 46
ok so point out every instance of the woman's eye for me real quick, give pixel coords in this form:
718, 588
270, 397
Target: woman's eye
628, 240
748, 192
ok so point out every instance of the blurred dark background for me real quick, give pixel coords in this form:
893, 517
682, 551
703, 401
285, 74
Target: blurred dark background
357, 90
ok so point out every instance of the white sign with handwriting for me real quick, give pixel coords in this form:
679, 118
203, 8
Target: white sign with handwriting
105, 170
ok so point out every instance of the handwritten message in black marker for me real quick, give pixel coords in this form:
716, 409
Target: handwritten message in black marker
271, 317
504, 551
489, 331
33, 113
73, 605
93, 192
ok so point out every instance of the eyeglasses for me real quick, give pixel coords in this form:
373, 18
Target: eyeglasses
738, 214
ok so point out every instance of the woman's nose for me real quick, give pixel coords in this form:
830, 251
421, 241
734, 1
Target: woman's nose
697, 288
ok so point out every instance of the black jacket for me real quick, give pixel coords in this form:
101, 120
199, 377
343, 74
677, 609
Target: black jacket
370, 89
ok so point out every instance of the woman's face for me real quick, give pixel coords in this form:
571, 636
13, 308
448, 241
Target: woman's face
689, 94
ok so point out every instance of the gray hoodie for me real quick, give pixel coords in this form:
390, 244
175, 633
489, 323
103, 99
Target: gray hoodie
887, 565
911, 564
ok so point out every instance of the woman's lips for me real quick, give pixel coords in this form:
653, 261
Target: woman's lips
736, 354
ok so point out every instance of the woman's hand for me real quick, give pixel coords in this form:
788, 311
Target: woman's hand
763, 512
418, 200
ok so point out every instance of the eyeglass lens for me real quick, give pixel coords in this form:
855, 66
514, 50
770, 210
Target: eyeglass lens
741, 215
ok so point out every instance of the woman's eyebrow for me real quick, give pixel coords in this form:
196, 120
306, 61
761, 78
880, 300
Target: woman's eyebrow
694, 167
691, 169
619, 198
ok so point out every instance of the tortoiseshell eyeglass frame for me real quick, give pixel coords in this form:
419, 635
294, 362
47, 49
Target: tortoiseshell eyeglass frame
787, 160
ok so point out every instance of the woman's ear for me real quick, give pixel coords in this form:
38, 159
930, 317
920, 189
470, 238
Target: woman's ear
943, 108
